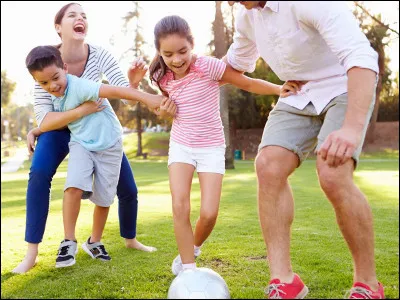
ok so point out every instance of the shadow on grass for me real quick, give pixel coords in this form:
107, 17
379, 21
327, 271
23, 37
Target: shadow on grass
7, 275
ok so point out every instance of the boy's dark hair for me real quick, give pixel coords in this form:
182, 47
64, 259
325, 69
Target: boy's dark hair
43, 56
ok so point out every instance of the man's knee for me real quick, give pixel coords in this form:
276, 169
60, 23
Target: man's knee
333, 180
274, 164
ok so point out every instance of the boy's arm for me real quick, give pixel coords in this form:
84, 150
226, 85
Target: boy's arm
58, 120
251, 85
118, 92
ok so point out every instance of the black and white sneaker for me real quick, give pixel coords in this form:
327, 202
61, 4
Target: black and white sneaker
66, 254
96, 250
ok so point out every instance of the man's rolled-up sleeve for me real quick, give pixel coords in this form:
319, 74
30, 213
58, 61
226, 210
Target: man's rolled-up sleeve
243, 54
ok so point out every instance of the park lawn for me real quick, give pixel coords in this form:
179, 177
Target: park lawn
235, 249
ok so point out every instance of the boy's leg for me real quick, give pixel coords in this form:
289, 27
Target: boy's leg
77, 186
107, 164
100, 215
51, 149
71, 208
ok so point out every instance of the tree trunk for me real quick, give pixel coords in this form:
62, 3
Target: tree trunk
220, 50
229, 156
371, 128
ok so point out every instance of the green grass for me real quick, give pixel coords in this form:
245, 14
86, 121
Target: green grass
150, 140
235, 249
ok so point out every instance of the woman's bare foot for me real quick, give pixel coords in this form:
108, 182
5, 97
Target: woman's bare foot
29, 261
134, 243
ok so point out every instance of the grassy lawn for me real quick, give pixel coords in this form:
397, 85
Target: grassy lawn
235, 249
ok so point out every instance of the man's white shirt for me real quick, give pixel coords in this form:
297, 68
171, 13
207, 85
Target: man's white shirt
313, 41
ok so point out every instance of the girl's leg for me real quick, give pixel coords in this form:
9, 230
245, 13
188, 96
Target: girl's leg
100, 215
50, 151
128, 207
180, 180
71, 208
210, 185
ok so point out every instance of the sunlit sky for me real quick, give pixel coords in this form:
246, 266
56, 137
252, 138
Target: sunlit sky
25, 25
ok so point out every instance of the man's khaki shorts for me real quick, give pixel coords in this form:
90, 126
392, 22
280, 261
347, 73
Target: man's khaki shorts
303, 131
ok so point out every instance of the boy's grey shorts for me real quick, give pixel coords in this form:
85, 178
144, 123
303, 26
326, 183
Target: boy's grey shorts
302, 131
96, 173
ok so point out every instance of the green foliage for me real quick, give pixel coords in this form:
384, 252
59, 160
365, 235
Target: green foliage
7, 88
379, 35
20, 121
389, 106
249, 110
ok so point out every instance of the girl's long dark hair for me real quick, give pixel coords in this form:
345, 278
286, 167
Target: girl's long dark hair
166, 26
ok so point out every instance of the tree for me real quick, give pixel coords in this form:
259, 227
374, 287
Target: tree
220, 43
377, 33
136, 49
7, 88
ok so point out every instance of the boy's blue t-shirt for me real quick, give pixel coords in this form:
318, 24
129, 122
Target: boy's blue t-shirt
97, 131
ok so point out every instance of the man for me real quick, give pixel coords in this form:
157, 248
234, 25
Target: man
322, 44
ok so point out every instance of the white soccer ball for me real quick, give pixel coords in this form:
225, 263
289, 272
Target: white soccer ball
199, 283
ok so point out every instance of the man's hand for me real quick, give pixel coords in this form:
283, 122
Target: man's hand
89, 107
137, 71
339, 146
167, 109
291, 87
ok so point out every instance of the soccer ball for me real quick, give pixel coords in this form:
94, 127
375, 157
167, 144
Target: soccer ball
199, 283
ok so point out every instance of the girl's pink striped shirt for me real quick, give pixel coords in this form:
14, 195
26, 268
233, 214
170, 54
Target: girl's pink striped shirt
197, 122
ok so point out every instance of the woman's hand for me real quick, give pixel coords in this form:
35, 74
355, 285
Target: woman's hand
90, 107
31, 139
137, 71
167, 109
291, 87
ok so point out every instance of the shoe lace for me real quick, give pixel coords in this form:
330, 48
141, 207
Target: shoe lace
275, 287
363, 292
102, 250
63, 250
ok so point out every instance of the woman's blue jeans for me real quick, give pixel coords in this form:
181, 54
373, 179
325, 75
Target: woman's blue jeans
51, 149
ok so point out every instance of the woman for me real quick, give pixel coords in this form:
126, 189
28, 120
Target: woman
90, 62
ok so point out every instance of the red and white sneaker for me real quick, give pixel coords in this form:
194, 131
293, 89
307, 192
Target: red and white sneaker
295, 290
363, 291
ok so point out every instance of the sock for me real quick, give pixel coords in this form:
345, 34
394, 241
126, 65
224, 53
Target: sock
189, 266
197, 250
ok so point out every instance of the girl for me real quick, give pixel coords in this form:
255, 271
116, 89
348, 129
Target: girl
197, 138
89, 62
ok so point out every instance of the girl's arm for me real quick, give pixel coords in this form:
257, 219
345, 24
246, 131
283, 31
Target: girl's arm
251, 85
119, 92
259, 86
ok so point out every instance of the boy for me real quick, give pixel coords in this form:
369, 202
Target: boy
95, 146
